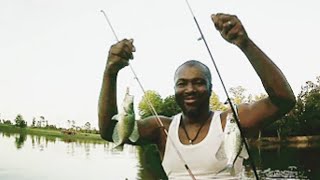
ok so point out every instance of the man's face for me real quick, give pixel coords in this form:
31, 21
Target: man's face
192, 89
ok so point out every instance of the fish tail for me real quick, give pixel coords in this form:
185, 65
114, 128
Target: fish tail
119, 147
135, 133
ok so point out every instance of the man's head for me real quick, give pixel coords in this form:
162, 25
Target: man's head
193, 87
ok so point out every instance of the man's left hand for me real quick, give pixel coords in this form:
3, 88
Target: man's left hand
230, 28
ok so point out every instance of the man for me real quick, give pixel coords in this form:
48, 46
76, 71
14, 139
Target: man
196, 132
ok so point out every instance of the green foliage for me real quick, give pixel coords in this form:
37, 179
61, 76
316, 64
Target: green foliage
166, 107
144, 106
19, 122
215, 103
310, 116
304, 118
87, 126
237, 94
8, 122
170, 106
33, 122
19, 141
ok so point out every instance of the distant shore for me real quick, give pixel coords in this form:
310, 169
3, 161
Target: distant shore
263, 142
290, 141
52, 133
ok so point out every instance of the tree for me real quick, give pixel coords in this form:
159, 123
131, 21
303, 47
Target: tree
304, 118
20, 122
215, 103
170, 106
237, 94
311, 113
33, 122
87, 126
69, 123
39, 123
42, 121
73, 126
144, 107
7, 122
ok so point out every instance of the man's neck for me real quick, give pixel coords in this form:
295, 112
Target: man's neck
196, 119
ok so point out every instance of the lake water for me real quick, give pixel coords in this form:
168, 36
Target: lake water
26, 157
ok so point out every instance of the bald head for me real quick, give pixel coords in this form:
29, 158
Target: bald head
197, 64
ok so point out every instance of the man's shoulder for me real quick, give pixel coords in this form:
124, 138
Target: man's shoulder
167, 120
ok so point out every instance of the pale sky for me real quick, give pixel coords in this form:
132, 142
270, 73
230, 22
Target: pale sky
53, 53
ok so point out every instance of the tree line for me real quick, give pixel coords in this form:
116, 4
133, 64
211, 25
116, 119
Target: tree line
43, 123
302, 120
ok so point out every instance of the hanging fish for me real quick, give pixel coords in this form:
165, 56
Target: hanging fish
231, 146
126, 127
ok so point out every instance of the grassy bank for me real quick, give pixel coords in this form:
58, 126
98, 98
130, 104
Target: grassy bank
52, 133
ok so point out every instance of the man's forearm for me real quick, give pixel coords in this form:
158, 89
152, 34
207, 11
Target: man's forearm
107, 104
273, 80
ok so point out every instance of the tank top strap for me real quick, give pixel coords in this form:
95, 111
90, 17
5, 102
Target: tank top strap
216, 125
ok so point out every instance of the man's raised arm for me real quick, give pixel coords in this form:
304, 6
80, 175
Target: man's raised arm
119, 55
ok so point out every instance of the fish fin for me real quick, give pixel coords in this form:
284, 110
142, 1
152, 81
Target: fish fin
135, 133
229, 169
115, 135
116, 117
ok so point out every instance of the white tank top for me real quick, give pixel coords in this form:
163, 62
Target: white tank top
200, 157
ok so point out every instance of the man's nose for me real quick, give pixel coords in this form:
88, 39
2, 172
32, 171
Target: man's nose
190, 88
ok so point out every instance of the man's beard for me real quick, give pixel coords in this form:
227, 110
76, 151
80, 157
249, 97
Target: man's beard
192, 112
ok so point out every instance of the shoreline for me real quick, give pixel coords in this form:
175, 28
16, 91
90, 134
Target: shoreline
290, 141
264, 142
52, 133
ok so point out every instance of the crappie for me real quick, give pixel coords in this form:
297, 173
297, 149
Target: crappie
126, 128
231, 146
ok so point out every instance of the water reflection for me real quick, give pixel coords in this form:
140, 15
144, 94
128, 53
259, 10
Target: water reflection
44, 157
20, 139
5, 134
150, 163
77, 158
41, 142
287, 160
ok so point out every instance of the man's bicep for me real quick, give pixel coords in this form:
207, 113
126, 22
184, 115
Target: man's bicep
149, 131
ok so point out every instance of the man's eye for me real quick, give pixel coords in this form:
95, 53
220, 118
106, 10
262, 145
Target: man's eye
199, 82
181, 84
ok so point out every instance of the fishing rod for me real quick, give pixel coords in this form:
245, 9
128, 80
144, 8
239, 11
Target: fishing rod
153, 110
235, 114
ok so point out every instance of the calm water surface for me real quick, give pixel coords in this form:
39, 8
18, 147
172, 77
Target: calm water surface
26, 157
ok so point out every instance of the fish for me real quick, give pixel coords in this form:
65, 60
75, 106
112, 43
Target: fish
126, 127
232, 145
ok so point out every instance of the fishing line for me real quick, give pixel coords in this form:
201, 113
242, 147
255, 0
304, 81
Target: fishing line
225, 90
154, 112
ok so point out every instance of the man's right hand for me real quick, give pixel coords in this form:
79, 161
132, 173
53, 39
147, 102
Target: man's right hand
119, 55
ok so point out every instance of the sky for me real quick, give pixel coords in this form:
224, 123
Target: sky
53, 53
